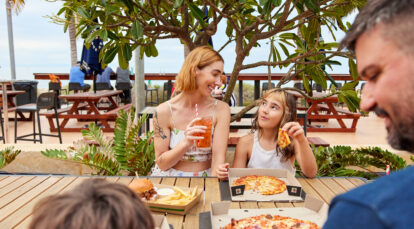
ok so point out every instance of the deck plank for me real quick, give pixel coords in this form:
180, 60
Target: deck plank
26, 198
11, 184
20, 190
212, 192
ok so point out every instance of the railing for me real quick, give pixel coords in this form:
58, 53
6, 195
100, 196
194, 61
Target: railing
256, 77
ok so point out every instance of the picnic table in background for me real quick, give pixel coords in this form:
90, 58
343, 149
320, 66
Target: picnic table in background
11, 106
87, 101
325, 109
21, 192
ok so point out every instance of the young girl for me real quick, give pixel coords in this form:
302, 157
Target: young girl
277, 109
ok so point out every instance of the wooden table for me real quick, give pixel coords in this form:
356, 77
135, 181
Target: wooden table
87, 101
324, 109
11, 105
18, 195
4, 84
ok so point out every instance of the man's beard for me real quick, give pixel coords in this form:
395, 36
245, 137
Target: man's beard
400, 132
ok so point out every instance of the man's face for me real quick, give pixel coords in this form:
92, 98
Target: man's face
389, 88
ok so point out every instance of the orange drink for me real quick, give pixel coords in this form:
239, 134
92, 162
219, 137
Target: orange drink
207, 122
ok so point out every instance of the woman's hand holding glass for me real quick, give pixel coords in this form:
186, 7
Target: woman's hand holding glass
191, 132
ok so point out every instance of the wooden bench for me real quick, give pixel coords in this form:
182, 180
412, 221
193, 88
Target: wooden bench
114, 113
341, 114
50, 115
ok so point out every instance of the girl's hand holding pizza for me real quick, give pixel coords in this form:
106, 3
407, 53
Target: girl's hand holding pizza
294, 130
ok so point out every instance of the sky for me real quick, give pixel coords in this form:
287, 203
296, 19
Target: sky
41, 46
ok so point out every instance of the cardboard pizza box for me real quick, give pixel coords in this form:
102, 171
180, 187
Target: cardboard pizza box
314, 210
293, 193
173, 209
160, 222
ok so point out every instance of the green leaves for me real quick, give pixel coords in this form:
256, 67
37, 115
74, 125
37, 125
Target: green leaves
126, 153
110, 54
197, 13
137, 30
353, 68
82, 12
335, 161
178, 3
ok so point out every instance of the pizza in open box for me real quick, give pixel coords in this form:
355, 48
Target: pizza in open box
266, 221
265, 185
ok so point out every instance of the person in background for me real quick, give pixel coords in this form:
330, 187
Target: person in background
382, 38
219, 92
105, 77
260, 149
95, 203
77, 76
122, 76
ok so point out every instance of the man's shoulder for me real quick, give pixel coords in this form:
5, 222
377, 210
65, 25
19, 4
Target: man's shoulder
388, 200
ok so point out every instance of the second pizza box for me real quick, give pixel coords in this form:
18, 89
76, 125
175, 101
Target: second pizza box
314, 210
293, 192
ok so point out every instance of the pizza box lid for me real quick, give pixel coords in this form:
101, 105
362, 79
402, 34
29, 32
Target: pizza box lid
249, 195
314, 210
160, 222
173, 209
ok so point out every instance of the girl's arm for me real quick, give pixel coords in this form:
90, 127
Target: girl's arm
243, 148
303, 152
221, 136
165, 157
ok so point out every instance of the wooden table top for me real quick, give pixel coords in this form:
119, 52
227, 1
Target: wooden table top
13, 93
18, 195
90, 95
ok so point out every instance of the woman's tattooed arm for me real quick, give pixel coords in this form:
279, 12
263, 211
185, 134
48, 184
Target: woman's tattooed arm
158, 131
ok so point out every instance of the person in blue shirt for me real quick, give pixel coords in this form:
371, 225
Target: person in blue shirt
105, 77
77, 76
382, 38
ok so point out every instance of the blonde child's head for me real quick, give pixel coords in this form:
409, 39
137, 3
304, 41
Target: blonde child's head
286, 112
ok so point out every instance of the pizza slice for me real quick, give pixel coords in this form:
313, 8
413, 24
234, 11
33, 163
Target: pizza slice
283, 139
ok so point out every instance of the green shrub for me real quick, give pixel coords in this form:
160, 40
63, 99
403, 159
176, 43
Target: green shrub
333, 161
7, 156
126, 154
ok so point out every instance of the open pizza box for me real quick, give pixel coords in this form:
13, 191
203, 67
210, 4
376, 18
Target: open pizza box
174, 209
293, 193
160, 222
314, 210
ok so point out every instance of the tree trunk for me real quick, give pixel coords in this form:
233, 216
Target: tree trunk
11, 43
72, 37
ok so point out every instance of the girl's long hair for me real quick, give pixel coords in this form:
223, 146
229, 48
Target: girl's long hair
289, 115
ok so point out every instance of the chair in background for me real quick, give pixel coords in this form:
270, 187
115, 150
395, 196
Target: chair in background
317, 87
299, 86
53, 86
100, 86
339, 85
265, 87
167, 91
150, 90
2, 128
75, 87
125, 87
47, 101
